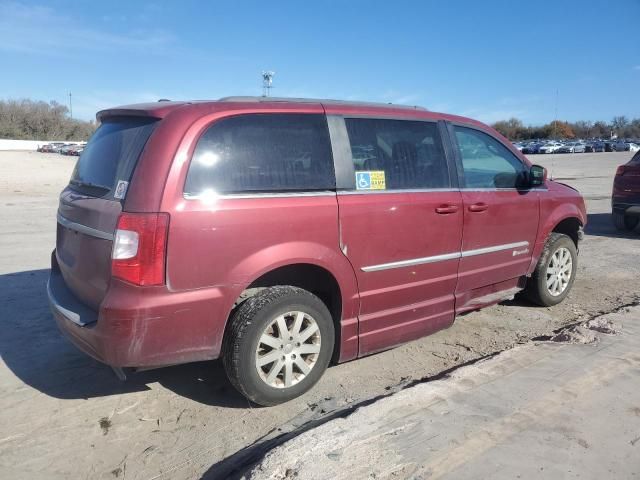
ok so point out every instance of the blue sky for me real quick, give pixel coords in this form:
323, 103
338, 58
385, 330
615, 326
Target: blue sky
486, 59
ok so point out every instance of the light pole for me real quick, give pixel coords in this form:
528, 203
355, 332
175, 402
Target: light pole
70, 106
555, 121
267, 82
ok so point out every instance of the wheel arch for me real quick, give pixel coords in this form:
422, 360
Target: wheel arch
570, 226
568, 220
308, 276
336, 287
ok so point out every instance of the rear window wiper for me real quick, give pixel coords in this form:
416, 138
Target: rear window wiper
81, 183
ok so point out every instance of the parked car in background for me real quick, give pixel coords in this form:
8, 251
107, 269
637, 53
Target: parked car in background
45, 148
633, 147
621, 146
50, 147
608, 146
153, 265
551, 147
532, 148
625, 198
66, 149
580, 147
594, 147
76, 151
58, 148
572, 147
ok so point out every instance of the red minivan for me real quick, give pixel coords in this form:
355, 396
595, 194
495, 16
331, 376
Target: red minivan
282, 234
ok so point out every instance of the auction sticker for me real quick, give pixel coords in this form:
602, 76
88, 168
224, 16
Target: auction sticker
370, 180
121, 189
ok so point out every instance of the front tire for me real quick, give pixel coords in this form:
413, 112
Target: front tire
278, 345
624, 223
555, 272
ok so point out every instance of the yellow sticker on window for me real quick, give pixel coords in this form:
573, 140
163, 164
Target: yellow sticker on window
370, 180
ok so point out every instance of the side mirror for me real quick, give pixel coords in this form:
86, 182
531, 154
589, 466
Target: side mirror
537, 176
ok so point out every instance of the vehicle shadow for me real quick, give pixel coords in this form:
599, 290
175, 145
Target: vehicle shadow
601, 225
32, 347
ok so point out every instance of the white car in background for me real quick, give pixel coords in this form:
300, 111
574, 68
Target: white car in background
622, 146
572, 147
552, 147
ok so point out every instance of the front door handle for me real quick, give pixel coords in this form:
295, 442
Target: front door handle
478, 207
446, 209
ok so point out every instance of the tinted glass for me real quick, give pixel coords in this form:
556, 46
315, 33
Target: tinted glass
410, 153
111, 154
635, 160
487, 163
263, 153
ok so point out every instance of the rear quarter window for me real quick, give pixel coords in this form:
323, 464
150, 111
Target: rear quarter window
111, 155
262, 153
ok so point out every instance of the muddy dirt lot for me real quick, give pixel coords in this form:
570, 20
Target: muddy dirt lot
63, 415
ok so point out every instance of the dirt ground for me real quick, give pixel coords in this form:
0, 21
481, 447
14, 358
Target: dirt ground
63, 415
563, 408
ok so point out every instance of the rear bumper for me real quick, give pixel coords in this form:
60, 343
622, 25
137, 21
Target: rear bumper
142, 326
633, 210
628, 206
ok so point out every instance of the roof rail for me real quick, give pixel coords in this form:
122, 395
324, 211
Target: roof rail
324, 101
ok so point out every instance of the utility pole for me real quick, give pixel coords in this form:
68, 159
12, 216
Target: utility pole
555, 121
70, 106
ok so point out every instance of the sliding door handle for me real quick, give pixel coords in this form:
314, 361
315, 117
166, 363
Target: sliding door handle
478, 207
446, 209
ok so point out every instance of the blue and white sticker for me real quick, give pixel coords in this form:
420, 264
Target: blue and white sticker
121, 189
370, 180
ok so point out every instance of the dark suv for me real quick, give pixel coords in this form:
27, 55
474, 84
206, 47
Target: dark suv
625, 198
282, 234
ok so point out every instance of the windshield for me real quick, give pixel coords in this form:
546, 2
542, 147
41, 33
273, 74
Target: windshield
109, 158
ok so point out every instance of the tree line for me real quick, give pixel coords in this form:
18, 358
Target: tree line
36, 120
621, 126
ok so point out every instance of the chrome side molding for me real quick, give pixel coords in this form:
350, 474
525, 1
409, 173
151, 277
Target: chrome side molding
446, 256
412, 262
495, 248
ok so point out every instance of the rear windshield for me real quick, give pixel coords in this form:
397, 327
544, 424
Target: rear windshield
636, 159
105, 167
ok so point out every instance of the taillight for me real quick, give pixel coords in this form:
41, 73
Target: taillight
620, 170
139, 248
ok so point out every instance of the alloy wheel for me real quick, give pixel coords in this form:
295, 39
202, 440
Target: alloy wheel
288, 349
559, 271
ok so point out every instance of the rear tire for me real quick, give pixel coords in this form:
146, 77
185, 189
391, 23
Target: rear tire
624, 223
555, 272
265, 353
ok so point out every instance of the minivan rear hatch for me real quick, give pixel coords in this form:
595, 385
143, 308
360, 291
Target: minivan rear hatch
92, 202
